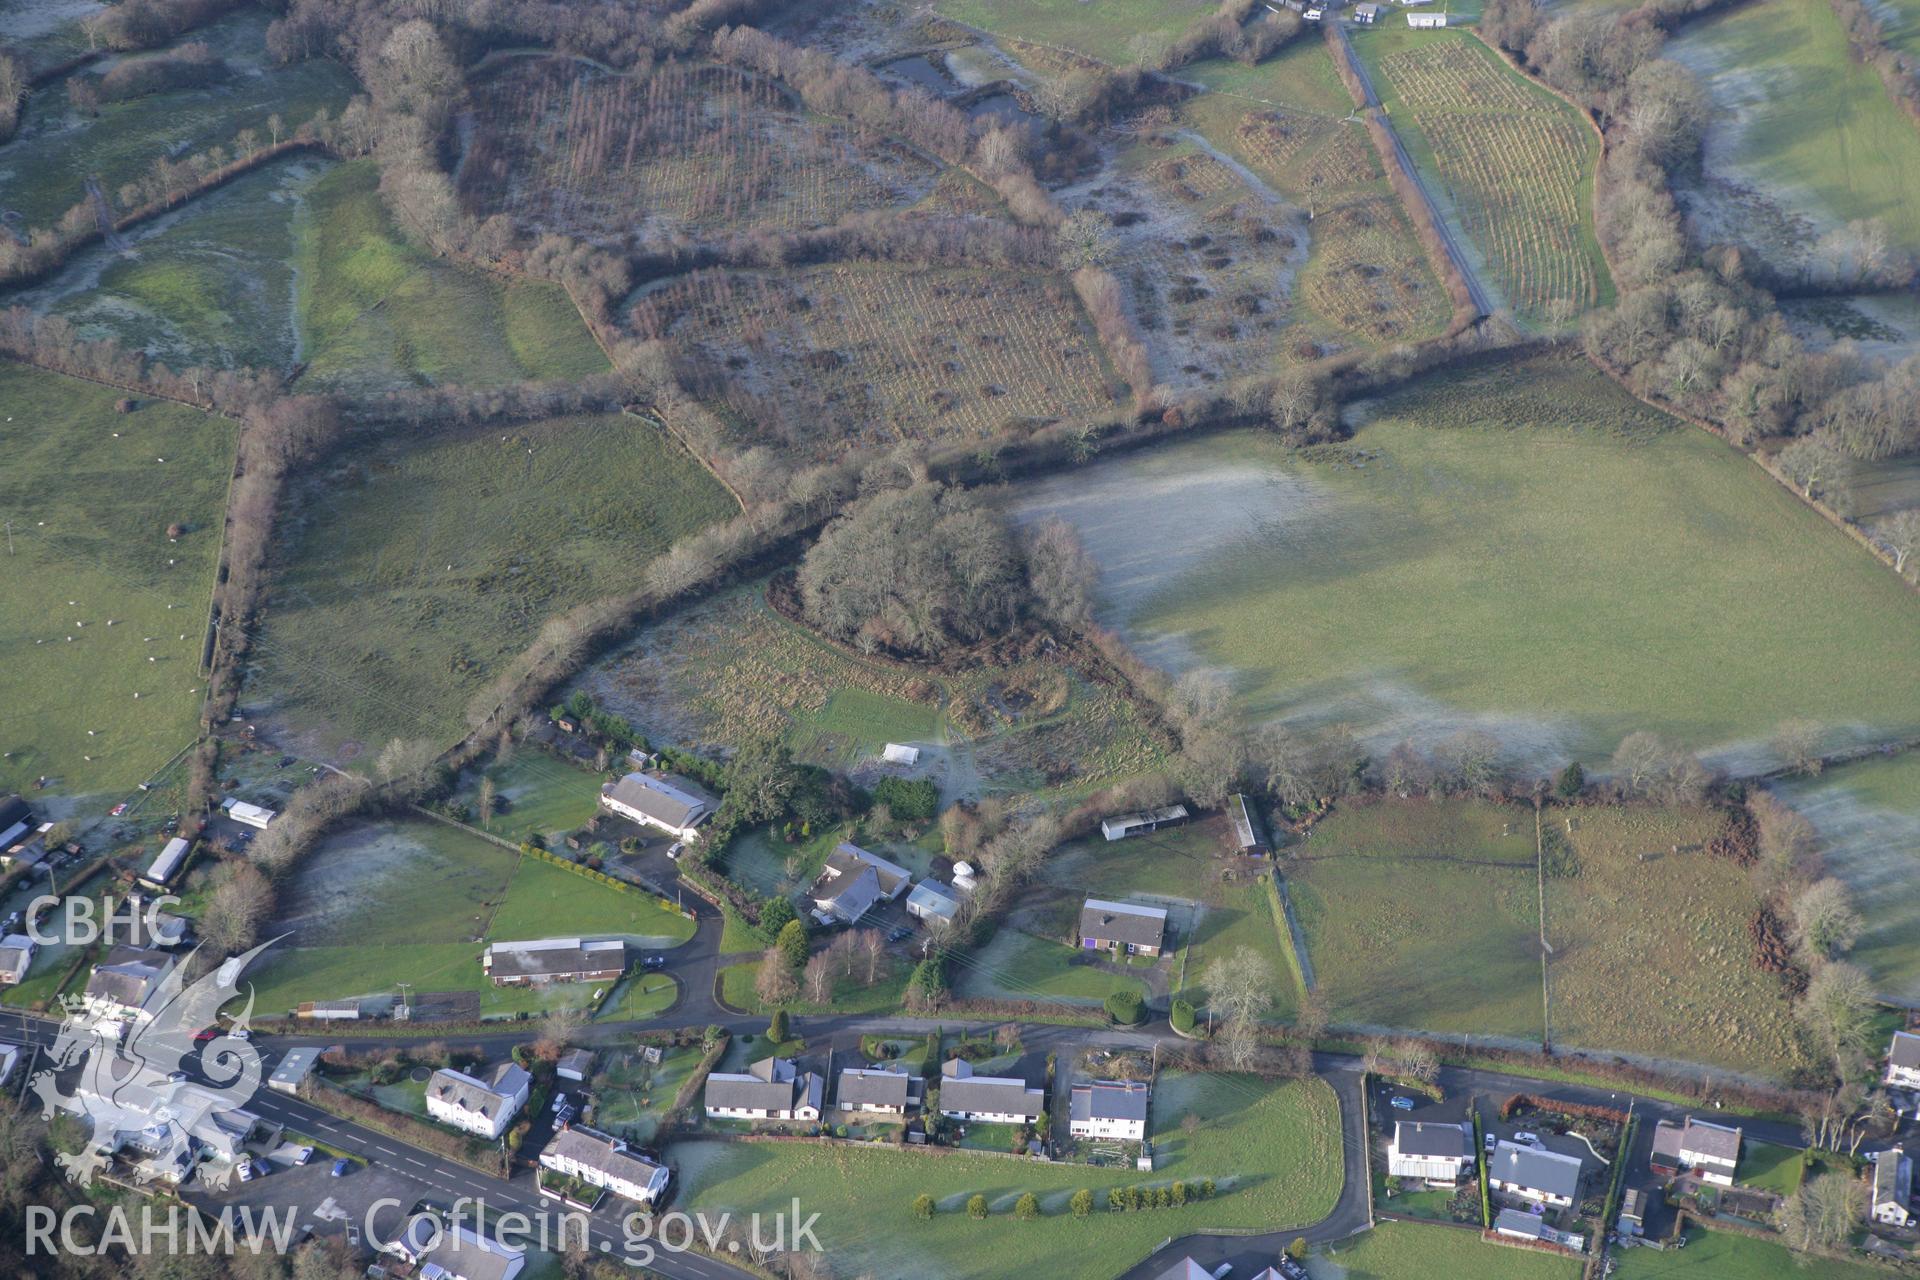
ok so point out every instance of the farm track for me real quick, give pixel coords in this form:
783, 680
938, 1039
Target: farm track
1482, 300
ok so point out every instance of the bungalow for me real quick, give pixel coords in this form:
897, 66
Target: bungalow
1367, 14
1426, 21
879, 1090
1710, 1150
1903, 1061
545, 960
1521, 1225
1430, 1151
16, 957
1892, 1188
1109, 1109
1534, 1173
481, 1107
1122, 825
455, 1252
576, 1066
1249, 836
989, 1099
122, 985
1122, 926
931, 901
770, 1089
602, 1161
162, 870
853, 882
668, 801
248, 815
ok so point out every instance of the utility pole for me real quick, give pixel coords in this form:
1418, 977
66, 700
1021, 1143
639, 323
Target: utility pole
9, 537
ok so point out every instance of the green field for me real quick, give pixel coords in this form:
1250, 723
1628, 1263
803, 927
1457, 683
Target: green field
1274, 1150
850, 994
1404, 1251
1868, 817
417, 903
211, 284
1725, 1256
377, 312
101, 606
1519, 547
1020, 966
416, 566
1801, 120
1509, 164
1116, 31
43, 171
543, 795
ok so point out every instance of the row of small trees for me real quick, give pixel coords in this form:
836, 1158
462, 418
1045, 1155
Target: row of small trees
1080, 1204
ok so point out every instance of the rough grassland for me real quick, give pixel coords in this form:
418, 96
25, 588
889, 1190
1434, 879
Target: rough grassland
1678, 924
418, 902
1519, 546
1515, 163
1274, 1150
1403, 1251
377, 312
412, 570
1725, 1256
1411, 923
1799, 118
1116, 31
89, 516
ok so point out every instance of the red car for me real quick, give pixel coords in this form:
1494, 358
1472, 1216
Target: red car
205, 1034
118, 809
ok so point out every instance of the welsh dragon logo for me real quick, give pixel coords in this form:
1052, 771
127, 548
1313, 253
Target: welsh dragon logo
127, 1079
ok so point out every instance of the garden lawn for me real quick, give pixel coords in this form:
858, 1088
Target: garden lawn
546, 901
105, 617
640, 996
1797, 117
1405, 1251
1022, 967
849, 995
377, 312
1274, 1150
1679, 923
545, 796
1770, 1168
1725, 1256
417, 566
1518, 547
637, 1095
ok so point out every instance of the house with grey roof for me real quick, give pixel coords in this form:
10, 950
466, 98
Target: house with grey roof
770, 1089
16, 957
1522, 1225
854, 881
1113, 1109
576, 1065
668, 801
931, 901
1892, 1203
1534, 1173
1710, 1150
887, 1090
600, 1160
989, 1099
1185, 1269
1903, 1061
545, 960
121, 986
455, 1251
1122, 927
1430, 1151
481, 1106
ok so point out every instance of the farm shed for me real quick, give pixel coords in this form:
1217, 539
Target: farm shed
1122, 825
1367, 14
930, 901
900, 753
1426, 21
250, 815
161, 871
1249, 833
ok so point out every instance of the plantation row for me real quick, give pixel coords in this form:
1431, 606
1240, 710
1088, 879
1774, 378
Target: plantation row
1451, 75
929, 354
1515, 181
702, 148
1193, 177
1309, 153
1369, 276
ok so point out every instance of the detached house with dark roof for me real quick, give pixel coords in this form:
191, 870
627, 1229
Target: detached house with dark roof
122, 985
1122, 927
668, 801
1710, 1150
1109, 1109
1534, 1173
1892, 1203
853, 882
1430, 1151
886, 1091
989, 1099
770, 1089
602, 1161
545, 960
1903, 1061
483, 1107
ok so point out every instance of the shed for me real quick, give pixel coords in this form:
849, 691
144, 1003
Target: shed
1122, 825
1426, 21
1249, 834
1367, 14
295, 1067
899, 753
163, 869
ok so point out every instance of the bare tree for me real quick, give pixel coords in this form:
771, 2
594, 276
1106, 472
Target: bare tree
1798, 743
240, 903
874, 944
1825, 922
1900, 534
1838, 1011
817, 979
486, 801
1240, 989
1822, 1213
775, 984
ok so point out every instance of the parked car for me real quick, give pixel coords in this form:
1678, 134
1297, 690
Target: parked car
1492, 1138
563, 1117
205, 1034
302, 1155
654, 962
117, 810
559, 1101
246, 1171
678, 847
340, 1168
1527, 1139
899, 934
1401, 1103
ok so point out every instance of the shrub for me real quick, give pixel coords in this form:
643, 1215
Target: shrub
777, 1026
909, 801
1027, 1207
1182, 1017
923, 1205
1571, 782
976, 1206
1125, 1007
1297, 1248
1082, 1203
